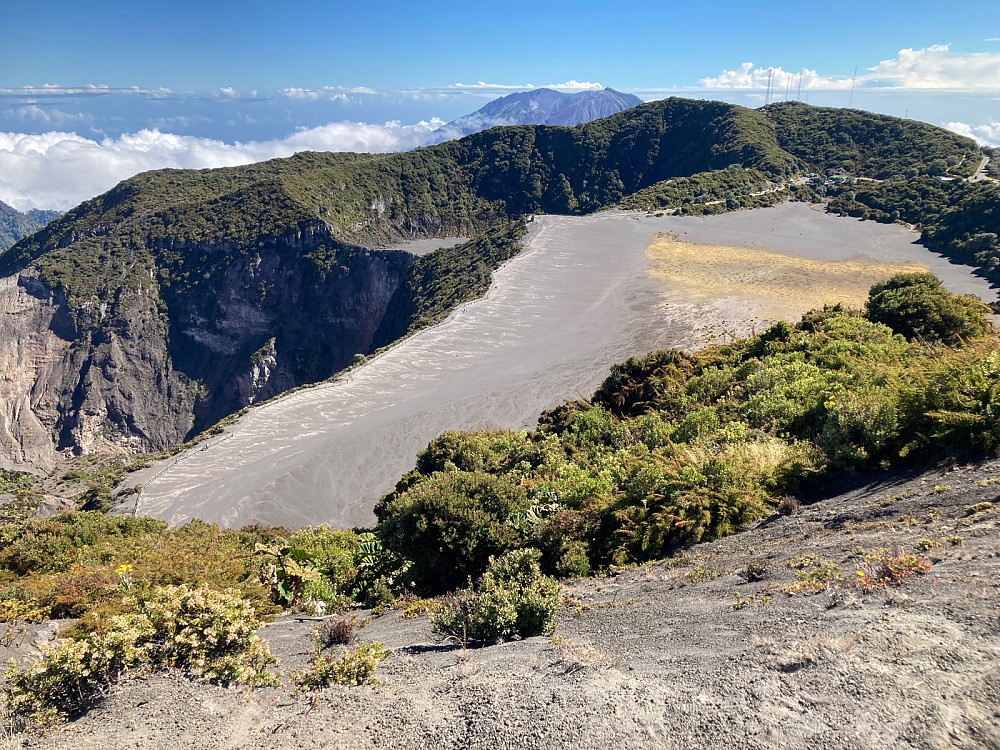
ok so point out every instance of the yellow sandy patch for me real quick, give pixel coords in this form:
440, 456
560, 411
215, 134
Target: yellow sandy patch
784, 285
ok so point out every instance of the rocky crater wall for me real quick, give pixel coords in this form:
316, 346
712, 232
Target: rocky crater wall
165, 359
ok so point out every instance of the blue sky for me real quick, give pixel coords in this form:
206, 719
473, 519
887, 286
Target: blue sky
93, 92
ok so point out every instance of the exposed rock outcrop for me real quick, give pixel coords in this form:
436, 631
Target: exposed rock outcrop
143, 370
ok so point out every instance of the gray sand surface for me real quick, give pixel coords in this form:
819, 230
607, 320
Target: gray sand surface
427, 245
578, 298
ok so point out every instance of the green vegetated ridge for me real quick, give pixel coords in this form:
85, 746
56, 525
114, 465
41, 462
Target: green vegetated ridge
863, 144
676, 448
16, 225
149, 226
165, 243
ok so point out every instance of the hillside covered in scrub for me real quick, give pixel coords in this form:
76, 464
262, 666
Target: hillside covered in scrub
16, 225
672, 451
146, 314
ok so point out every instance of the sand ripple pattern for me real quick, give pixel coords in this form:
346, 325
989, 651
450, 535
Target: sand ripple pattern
579, 297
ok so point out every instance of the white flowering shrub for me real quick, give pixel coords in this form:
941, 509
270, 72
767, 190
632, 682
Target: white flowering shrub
353, 667
210, 634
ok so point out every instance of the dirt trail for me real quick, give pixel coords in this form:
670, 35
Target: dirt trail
658, 657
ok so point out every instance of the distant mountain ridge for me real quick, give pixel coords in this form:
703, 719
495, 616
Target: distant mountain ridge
543, 107
16, 225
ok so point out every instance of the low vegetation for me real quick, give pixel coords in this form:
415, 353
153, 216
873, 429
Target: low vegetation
352, 667
677, 448
673, 449
513, 599
206, 633
958, 219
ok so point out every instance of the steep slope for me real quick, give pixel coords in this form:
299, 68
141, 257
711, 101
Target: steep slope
181, 296
542, 107
15, 225
867, 144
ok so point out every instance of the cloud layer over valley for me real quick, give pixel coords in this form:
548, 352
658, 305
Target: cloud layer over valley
61, 169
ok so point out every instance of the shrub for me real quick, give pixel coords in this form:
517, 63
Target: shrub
206, 633
354, 667
451, 524
320, 597
380, 573
756, 570
209, 633
71, 677
513, 599
883, 567
917, 306
332, 553
574, 561
336, 632
788, 505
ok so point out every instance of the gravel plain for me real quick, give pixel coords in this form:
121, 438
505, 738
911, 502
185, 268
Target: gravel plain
580, 296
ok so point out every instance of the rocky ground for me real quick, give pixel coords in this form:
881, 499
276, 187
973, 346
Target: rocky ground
682, 653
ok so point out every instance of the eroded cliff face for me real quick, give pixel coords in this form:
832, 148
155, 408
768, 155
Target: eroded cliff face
36, 340
159, 361
107, 385
291, 312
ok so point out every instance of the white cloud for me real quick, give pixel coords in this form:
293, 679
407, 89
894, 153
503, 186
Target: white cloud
331, 92
937, 67
987, 134
48, 117
749, 77
229, 91
489, 86
570, 85
60, 169
297, 93
54, 90
929, 68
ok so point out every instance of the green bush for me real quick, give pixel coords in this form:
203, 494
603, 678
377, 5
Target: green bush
681, 448
513, 599
353, 667
206, 633
917, 306
451, 524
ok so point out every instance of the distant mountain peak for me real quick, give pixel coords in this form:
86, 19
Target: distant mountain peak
542, 107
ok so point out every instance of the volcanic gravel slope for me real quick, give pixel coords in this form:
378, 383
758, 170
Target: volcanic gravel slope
577, 299
657, 656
